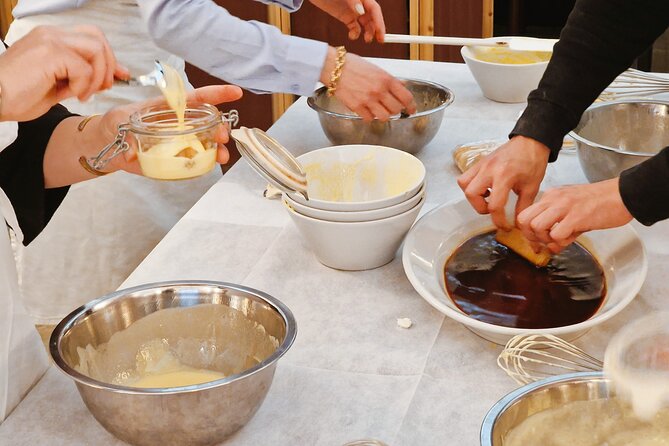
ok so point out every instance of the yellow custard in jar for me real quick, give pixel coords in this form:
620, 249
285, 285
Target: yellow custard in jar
178, 156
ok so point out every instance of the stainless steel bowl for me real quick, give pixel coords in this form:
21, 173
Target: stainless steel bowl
549, 393
614, 136
410, 133
202, 414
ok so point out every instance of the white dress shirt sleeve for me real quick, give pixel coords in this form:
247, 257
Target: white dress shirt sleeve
251, 54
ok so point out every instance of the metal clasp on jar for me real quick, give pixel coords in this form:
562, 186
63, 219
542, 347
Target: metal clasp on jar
96, 164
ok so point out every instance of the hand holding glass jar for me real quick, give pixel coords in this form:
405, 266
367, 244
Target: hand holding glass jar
77, 140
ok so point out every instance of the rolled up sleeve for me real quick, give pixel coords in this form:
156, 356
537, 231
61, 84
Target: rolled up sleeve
251, 54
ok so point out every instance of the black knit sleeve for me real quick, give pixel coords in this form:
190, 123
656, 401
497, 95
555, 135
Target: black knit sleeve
599, 41
22, 173
645, 189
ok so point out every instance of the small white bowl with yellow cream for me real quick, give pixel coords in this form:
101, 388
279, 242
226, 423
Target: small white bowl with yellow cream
359, 177
363, 200
504, 75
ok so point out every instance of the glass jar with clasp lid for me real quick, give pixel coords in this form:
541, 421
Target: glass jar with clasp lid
166, 148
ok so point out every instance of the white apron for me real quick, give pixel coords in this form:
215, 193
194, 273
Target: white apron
104, 228
23, 358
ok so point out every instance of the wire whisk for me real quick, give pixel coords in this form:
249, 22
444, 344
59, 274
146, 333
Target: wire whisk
635, 83
528, 358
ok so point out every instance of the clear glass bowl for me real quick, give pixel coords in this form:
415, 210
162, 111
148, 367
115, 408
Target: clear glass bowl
169, 151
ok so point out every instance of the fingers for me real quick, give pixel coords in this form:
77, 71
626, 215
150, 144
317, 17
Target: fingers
563, 231
526, 197
105, 52
373, 11
90, 43
391, 104
215, 94
379, 111
74, 74
354, 30
542, 224
476, 192
497, 205
222, 134
525, 218
211, 94
222, 156
403, 95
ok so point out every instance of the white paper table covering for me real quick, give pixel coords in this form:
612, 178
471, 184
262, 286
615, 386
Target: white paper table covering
352, 372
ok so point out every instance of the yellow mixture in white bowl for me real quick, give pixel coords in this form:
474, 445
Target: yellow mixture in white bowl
509, 57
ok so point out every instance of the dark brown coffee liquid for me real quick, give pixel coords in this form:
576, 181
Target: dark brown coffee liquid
493, 284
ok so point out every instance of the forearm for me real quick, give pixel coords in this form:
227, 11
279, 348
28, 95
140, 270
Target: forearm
645, 189
22, 172
600, 40
66, 145
251, 54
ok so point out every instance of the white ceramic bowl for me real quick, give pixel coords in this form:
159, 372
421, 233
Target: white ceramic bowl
504, 82
438, 233
355, 216
355, 246
359, 177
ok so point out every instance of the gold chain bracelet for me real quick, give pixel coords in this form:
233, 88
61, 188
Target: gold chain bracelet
336, 73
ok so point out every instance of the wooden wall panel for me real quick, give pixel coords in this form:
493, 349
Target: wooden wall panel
312, 23
6, 7
459, 18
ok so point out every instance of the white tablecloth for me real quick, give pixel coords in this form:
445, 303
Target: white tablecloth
352, 372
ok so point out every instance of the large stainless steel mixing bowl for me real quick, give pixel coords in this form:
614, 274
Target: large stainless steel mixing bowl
614, 136
202, 414
549, 393
410, 133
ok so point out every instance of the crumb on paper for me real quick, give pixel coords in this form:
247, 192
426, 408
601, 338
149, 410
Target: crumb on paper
404, 322
271, 192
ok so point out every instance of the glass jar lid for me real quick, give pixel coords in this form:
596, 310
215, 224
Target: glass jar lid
271, 160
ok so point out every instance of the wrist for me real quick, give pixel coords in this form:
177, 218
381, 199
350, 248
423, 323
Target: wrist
622, 212
537, 148
328, 65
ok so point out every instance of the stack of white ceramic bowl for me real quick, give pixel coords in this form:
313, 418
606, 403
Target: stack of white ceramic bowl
363, 200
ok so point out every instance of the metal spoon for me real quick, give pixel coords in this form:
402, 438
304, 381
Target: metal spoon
155, 78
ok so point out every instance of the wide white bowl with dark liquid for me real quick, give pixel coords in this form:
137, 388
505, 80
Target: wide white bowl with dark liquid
440, 232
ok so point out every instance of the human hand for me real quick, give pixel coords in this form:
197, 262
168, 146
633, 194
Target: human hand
518, 166
214, 95
562, 214
51, 64
368, 90
358, 16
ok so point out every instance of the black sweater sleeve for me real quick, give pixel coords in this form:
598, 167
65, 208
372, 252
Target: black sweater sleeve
599, 41
645, 189
22, 173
